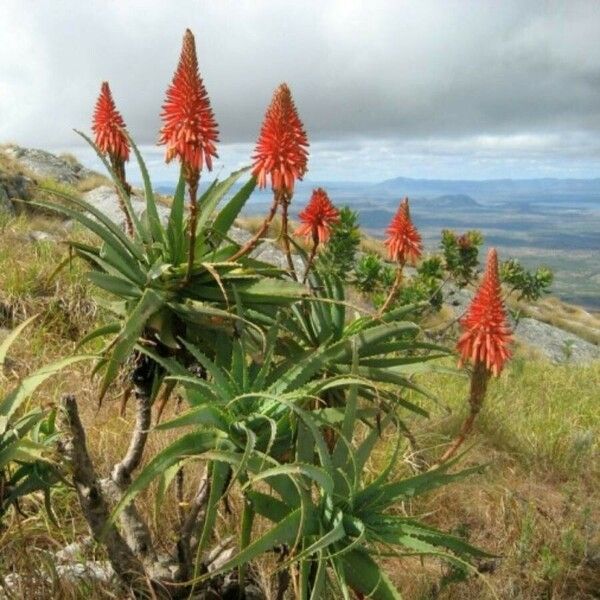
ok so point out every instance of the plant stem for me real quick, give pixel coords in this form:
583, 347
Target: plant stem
119, 168
253, 242
479, 381
394, 289
245, 535
285, 201
311, 258
193, 180
128, 567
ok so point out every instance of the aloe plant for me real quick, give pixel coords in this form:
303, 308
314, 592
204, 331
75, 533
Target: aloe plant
289, 387
147, 275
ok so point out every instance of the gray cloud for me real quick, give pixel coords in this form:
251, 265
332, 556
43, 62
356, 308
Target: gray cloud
410, 81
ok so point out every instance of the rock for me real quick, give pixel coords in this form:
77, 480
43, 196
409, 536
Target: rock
41, 236
458, 299
556, 344
239, 235
270, 253
105, 198
45, 165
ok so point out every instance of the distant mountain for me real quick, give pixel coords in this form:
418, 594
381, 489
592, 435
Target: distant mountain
494, 189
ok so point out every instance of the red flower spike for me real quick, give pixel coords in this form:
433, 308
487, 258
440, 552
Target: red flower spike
318, 217
189, 128
486, 336
281, 150
108, 126
403, 241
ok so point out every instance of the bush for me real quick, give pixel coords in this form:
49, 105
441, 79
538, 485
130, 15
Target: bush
530, 285
339, 255
370, 274
461, 254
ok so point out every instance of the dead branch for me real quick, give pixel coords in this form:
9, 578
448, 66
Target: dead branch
93, 504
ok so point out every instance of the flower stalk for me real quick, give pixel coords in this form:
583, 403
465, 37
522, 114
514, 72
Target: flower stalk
189, 130
404, 245
485, 342
110, 138
479, 381
316, 221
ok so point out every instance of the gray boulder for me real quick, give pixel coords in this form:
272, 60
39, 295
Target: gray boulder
44, 165
105, 198
14, 187
557, 345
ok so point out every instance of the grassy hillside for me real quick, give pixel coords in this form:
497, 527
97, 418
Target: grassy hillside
536, 506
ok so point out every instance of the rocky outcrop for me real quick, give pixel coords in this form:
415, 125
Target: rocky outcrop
44, 165
556, 344
105, 199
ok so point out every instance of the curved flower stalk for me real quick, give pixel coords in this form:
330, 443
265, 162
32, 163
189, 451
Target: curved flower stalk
189, 129
404, 246
280, 158
316, 221
485, 343
110, 137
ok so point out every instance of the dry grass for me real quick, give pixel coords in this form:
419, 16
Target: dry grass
91, 182
371, 245
537, 507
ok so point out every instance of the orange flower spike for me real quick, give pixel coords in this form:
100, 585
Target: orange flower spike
487, 336
281, 150
109, 127
189, 129
404, 241
318, 217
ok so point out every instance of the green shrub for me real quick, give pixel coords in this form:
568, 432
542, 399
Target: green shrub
339, 254
529, 285
461, 254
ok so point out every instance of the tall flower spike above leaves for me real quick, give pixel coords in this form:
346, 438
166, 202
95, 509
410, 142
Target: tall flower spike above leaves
486, 336
404, 241
189, 128
318, 217
281, 150
109, 127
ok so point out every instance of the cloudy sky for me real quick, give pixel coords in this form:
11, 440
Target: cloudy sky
435, 89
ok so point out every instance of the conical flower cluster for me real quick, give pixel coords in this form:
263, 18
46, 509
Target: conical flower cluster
109, 127
486, 336
281, 150
318, 217
403, 240
189, 128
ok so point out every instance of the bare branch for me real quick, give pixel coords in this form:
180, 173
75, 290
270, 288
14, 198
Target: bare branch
95, 510
191, 524
121, 473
